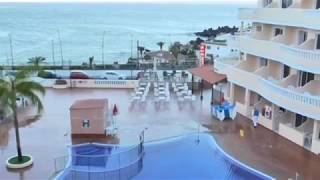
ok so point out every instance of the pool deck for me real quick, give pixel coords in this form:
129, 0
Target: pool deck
48, 136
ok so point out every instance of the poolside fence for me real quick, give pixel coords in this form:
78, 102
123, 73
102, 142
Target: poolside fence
123, 164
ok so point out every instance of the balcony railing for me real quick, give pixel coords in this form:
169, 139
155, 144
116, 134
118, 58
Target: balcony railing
290, 94
302, 59
305, 104
289, 16
303, 54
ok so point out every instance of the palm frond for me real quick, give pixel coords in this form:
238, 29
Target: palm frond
34, 98
30, 86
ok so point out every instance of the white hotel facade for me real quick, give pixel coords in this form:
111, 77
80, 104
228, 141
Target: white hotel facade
278, 71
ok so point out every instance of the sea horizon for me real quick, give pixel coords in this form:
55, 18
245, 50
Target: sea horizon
33, 26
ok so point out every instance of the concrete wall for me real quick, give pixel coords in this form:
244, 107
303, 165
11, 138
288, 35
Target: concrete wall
97, 118
316, 141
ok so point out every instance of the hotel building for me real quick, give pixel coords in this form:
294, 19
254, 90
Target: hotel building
278, 69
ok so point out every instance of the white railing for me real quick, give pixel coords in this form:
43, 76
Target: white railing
310, 55
308, 18
307, 60
281, 96
99, 83
94, 83
295, 96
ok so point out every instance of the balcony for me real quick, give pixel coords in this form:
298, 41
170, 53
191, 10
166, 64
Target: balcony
301, 135
290, 98
301, 57
288, 17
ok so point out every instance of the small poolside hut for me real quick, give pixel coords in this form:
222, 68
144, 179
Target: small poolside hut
89, 117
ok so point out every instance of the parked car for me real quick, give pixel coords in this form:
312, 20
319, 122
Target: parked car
79, 75
47, 74
112, 75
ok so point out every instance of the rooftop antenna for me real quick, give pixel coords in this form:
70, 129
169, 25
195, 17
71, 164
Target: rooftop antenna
131, 43
61, 53
53, 60
11, 51
102, 49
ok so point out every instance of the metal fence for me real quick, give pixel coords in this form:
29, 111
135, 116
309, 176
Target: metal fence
124, 163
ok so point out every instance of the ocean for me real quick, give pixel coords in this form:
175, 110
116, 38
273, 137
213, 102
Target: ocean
33, 27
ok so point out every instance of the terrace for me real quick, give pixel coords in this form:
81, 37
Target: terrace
48, 136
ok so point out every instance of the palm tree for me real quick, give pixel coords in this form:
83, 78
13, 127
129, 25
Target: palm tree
91, 60
1, 71
37, 63
160, 44
13, 87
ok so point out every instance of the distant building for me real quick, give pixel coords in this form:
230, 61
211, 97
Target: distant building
161, 56
218, 48
165, 57
89, 117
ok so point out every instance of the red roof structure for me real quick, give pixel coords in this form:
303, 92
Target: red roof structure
208, 74
90, 104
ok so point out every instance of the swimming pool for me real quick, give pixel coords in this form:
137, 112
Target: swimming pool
177, 158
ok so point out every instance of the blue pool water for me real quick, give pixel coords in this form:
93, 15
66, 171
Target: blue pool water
178, 158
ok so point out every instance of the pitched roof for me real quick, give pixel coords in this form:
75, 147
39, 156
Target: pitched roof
207, 73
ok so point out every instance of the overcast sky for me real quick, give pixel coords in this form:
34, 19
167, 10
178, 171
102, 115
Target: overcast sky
144, 1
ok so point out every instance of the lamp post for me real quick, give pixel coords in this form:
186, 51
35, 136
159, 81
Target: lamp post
11, 52
102, 49
61, 53
52, 50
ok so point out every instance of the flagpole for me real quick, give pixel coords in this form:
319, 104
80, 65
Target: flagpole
61, 53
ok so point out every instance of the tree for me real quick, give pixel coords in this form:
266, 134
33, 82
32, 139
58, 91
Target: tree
1, 71
160, 44
13, 87
175, 49
37, 63
91, 60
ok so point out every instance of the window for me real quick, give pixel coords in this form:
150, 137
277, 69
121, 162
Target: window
266, 2
278, 31
263, 62
286, 71
318, 41
282, 109
86, 123
318, 4
286, 3
303, 36
305, 77
258, 28
300, 120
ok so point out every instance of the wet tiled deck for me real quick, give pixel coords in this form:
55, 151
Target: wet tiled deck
47, 137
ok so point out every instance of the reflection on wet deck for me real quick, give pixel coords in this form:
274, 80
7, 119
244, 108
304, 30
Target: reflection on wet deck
47, 137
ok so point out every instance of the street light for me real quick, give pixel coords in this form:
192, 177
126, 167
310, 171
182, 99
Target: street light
102, 49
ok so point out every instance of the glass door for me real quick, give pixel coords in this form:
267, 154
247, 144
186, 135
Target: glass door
318, 40
286, 3
286, 71
303, 35
305, 77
